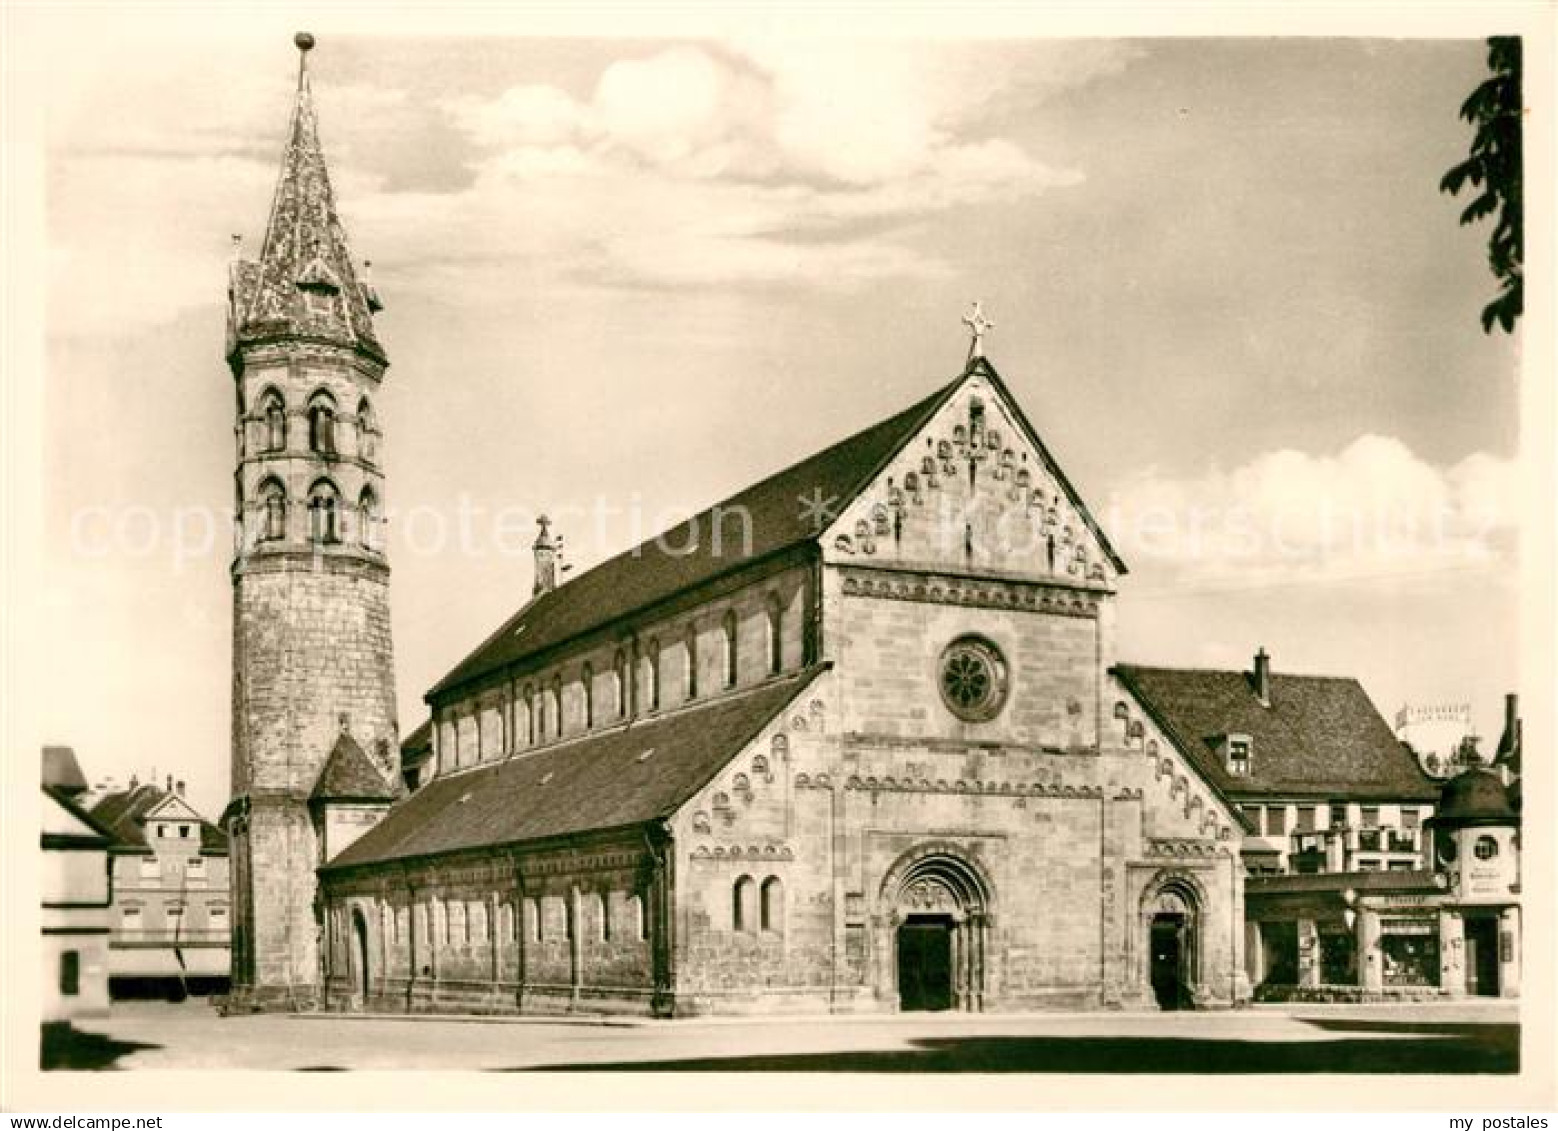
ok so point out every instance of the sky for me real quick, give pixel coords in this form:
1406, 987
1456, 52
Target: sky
643, 273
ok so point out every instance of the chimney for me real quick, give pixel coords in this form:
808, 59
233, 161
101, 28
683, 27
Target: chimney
169, 789
1509, 741
1263, 677
546, 559
179, 786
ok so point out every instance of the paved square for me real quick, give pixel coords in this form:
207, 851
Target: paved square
1451, 1039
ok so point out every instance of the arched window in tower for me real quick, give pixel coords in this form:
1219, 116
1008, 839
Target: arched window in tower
367, 431
368, 519
691, 690
324, 512
274, 410
619, 681
775, 634
731, 655
321, 424
587, 683
652, 674
273, 497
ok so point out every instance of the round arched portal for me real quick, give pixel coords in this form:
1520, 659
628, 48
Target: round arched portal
936, 913
1170, 968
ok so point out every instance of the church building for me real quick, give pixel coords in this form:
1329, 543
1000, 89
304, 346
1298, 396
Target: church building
847, 741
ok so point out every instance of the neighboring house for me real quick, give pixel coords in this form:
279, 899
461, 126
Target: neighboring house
1450, 930
171, 913
1318, 775
77, 893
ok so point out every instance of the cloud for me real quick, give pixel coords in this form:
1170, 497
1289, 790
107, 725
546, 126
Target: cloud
1374, 510
741, 164
798, 162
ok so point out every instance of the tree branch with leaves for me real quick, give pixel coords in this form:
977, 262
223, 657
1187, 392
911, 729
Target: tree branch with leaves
1494, 168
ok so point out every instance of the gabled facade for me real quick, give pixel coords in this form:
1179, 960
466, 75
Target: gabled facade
842, 742
1322, 783
172, 904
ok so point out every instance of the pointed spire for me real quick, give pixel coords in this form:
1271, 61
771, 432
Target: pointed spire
304, 283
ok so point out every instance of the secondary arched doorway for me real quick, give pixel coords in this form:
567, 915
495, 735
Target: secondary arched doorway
936, 918
360, 980
1169, 931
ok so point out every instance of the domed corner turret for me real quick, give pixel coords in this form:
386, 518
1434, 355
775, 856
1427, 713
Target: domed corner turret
1474, 798
1476, 838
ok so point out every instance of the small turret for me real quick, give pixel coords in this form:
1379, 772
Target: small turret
546, 559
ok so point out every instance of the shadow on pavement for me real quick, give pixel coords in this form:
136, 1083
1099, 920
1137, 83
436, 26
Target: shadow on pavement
68, 1048
1482, 1049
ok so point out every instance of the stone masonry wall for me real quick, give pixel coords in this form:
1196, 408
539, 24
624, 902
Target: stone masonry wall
311, 646
553, 930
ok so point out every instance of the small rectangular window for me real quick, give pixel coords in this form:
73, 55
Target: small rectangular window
1370, 815
1306, 818
1410, 818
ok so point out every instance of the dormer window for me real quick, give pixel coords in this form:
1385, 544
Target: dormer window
1237, 760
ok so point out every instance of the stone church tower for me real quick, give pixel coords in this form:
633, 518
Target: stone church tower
314, 726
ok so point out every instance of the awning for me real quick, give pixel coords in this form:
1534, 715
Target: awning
161, 962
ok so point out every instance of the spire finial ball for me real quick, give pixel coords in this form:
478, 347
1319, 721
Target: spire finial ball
304, 41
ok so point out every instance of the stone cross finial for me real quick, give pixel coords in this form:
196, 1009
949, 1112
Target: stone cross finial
978, 326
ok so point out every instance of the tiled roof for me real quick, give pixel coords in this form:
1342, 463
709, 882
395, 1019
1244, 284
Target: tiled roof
350, 775
124, 812
664, 566
621, 777
304, 283
61, 771
1321, 736
67, 802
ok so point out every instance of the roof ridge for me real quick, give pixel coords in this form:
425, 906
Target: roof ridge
897, 428
1127, 665
750, 488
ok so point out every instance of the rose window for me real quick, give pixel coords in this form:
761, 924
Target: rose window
973, 679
